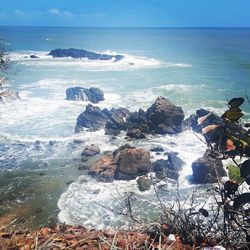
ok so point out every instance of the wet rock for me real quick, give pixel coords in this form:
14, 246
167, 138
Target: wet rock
175, 162
206, 168
83, 167
135, 133
80, 53
157, 149
8, 96
165, 118
103, 169
93, 95
90, 150
34, 56
94, 118
144, 183
131, 163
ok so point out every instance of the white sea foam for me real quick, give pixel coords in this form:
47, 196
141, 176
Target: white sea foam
129, 62
84, 202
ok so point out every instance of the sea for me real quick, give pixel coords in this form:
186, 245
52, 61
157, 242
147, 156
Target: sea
40, 153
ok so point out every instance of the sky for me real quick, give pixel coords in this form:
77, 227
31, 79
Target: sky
126, 13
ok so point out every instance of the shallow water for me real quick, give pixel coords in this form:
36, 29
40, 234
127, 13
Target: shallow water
39, 154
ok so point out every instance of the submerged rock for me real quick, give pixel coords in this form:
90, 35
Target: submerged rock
8, 96
93, 95
165, 118
207, 169
144, 183
90, 150
81, 53
34, 56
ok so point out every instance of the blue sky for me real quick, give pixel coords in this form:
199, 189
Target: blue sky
126, 13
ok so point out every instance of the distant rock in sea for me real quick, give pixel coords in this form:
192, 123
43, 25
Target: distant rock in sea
93, 95
81, 53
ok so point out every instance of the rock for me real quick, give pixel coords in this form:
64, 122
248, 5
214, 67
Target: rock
165, 118
144, 183
93, 95
80, 53
175, 162
205, 169
103, 169
131, 163
135, 133
168, 168
90, 150
94, 118
8, 96
157, 149
34, 56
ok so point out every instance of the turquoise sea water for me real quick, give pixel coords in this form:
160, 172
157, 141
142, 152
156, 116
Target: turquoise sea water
193, 68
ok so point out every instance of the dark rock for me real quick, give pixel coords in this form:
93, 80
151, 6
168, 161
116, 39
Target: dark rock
90, 150
161, 165
103, 169
83, 167
175, 162
34, 56
206, 168
80, 53
93, 95
192, 122
8, 96
165, 118
135, 133
144, 183
92, 118
131, 163
157, 149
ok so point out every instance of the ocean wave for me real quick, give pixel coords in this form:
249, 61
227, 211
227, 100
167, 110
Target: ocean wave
129, 62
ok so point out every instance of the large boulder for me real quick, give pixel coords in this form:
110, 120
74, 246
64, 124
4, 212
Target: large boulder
144, 183
94, 119
207, 169
81, 53
131, 162
165, 118
93, 95
8, 96
103, 169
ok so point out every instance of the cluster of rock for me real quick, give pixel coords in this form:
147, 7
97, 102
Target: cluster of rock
128, 163
93, 95
162, 117
81, 53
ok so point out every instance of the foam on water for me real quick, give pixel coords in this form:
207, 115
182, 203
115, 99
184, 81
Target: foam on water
129, 62
86, 200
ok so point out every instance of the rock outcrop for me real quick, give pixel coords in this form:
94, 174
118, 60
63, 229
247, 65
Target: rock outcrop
126, 163
161, 118
81, 53
131, 163
93, 118
93, 95
207, 169
165, 118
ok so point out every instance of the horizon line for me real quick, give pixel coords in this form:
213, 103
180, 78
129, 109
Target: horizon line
123, 27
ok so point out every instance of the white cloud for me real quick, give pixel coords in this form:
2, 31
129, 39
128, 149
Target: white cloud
67, 13
19, 13
54, 12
